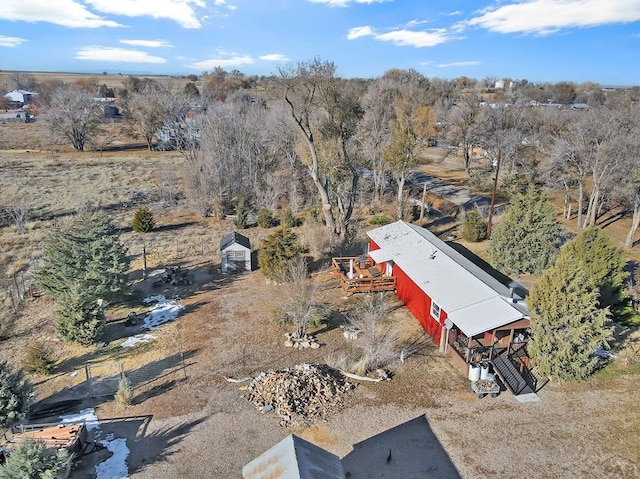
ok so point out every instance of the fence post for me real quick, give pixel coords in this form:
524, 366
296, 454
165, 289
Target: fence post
87, 371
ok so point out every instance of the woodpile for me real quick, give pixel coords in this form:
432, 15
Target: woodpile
299, 395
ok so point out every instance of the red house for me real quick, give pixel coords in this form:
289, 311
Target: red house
471, 315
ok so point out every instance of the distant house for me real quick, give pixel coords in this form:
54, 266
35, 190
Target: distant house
235, 253
294, 458
20, 98
470, 313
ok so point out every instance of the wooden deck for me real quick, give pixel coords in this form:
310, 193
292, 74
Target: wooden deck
359, 274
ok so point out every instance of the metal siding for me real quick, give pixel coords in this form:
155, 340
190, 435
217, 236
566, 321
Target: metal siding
418, 302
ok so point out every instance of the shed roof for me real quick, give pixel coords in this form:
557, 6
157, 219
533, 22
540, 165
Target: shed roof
473, 299
232, 238
294, 458
19, 95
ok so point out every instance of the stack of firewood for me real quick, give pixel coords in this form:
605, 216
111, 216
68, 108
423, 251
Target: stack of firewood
299, 395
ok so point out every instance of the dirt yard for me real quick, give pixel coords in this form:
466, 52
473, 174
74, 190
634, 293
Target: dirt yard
426, 416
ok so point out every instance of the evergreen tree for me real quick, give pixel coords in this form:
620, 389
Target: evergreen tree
288, 219
84, 253
278, 251
143, 220
80, 318
33, 460
16, 394
242, 214
602, 261
566, 323
474, 228
528, 235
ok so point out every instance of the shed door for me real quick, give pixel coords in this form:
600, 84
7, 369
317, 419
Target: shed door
235, 260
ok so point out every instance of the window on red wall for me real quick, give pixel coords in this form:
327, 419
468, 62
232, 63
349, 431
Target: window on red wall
435, 311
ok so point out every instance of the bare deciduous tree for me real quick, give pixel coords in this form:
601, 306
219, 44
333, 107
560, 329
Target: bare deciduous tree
326, 114
377, 340
73, 115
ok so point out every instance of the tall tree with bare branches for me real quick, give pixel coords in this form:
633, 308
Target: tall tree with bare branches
73, 115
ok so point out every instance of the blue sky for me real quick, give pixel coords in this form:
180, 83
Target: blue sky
537, 40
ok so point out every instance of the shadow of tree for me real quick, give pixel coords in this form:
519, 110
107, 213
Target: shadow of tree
408, 451
158, 446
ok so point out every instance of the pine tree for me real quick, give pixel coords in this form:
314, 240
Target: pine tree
34, 460
16, 394
84, 253
80, 318
602, 261
566, 323
278, 250
242, 214
143, 220
528, 235
474, 228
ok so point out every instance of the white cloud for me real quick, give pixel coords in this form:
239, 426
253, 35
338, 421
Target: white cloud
345, 3
275, 57
415, 39
459, 64
11, 41
223, 61
358, 32
111, 54
68, 13
181, 11
403, 37
148, 43
547, 16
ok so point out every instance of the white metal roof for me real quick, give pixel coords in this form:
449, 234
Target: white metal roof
474, 300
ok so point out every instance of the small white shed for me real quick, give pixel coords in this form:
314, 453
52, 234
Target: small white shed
235, 253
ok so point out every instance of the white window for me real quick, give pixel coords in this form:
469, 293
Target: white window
435, 311
235, 255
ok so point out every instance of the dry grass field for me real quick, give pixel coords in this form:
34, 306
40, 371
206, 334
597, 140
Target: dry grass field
200, 426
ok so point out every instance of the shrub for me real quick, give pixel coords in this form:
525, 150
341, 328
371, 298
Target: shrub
288, 219
474, 228
265, 219
124, 396
143, 220
34, 460
242, 214
39, 359
379, 220
16, 394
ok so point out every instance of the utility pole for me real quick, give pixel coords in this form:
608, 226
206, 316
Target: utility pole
493, 195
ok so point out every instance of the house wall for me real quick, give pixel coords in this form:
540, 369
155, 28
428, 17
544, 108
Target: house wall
416, 301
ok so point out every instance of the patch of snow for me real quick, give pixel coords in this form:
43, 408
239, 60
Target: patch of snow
116, 466
88, 416
73, 374
137, 339
164, 311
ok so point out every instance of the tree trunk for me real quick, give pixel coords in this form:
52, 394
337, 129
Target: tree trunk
594, 200
635, 222
401, 182
580, 203
467, 161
